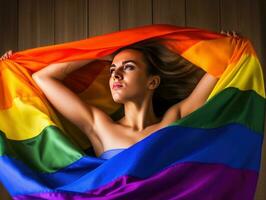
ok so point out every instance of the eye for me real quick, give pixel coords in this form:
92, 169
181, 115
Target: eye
111, 71
128, 66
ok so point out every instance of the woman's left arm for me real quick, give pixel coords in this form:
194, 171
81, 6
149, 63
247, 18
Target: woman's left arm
199, 95
202, 91
195, 100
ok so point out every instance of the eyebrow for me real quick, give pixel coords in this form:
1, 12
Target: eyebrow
124, 62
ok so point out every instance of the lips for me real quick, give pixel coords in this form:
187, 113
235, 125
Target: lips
117, 85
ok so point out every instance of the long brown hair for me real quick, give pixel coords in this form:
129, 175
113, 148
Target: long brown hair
178, 76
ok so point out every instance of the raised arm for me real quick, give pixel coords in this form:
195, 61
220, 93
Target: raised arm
195, 100
199, 95
86, 117
201, 92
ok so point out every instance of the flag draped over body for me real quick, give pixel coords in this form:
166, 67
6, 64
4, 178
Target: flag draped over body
212, 153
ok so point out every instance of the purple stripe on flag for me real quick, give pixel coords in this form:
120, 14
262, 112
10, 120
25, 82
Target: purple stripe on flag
182, 181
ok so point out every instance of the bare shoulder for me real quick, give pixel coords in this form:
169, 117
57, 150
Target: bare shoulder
96, 131
100, 119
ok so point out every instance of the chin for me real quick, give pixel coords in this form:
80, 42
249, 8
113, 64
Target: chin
118, 100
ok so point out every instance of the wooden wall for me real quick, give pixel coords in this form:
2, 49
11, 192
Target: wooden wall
32, 23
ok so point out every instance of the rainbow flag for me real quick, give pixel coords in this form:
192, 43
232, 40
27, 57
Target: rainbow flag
213, 153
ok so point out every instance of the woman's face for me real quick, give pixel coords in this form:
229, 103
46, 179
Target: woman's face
128, 70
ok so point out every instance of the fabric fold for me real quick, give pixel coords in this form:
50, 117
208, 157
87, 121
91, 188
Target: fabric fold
212, 153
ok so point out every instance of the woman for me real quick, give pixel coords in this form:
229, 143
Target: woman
139, 74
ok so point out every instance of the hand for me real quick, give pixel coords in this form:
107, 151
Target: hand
230, 33
7, 55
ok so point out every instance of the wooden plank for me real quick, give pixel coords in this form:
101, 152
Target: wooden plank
8, 25
204, 15
250, 24
260, 190
4, 194
262, 6
229, 15
103, 16
70, 20
246, 17
256, 34
169, 12
243, 17
36, 23
261, 185
135, 13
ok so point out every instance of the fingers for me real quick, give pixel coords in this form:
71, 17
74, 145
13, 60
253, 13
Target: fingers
230, 33
222, 32
7, 55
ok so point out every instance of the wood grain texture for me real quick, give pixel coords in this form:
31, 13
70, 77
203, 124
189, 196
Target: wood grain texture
103, 16
246, 18
36, 23
242, 18
262, 10
135, 13
70, 20
203, 14
32, 23
169, 12
261, 187
4, 194
8, 25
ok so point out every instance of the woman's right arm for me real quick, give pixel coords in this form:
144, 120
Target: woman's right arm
69, 104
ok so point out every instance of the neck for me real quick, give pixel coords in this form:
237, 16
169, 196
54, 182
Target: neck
139, 115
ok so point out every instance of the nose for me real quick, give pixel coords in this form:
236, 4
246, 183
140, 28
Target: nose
116, 75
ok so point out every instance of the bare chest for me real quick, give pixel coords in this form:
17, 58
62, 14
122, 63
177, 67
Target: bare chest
121, 137
113, 135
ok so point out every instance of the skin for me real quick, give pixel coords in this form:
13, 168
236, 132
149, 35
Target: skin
137, 91
136, 95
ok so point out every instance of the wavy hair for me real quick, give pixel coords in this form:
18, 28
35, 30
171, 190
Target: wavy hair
178, 76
